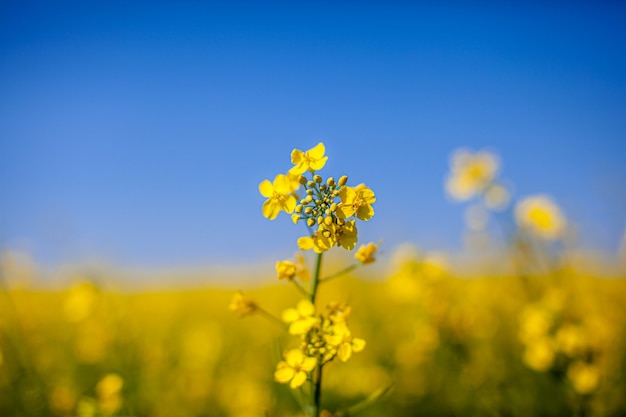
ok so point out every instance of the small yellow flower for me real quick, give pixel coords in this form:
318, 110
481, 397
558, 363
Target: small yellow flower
584, 377
342, 339
357, 202
301, 318
471, 173
279, 196
294, 368
109, 393
312, 160
285, 270
243, 305
539, 354
541, 216
366, 253
338, 312
322, 239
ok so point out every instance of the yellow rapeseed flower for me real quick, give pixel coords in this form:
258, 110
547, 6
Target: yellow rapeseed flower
285, 270
322, 239
366, 253
279, 196
584, 377
243, 305
471, 173
342, 339
312, 160
539, 354
541, 216
356, 202
301, 318
294, 368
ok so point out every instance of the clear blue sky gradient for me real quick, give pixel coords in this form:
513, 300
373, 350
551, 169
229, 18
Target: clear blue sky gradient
138, 133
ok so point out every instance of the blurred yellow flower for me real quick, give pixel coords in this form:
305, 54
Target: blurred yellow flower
243, 305
357, 202
341, 337
301, 318
471, 173
312, 160
541, 216
109, 389
338, 312
584, 377
278, 196
366, 253
294, 368
285, 270
539, 354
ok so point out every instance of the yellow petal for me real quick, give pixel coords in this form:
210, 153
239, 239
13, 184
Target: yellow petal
368, 196
317, 151
270, 209
284, 374
302, 326
282, 185
289, 205
344, 352
308, 364
358, 344
365, 213
298, 380
294, 357
290, 315
296, 156
266, 189
319, 164
305, 308
305, 243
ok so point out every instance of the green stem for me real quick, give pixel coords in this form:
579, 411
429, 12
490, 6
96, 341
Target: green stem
272, 318
317, 393
300, 288
338, 274
317, 382
316, 277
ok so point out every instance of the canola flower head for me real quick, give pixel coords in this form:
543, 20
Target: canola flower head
471, 173
279, 196
243, 305
301, 318
541, 216
294, 369
311, 160
366, 254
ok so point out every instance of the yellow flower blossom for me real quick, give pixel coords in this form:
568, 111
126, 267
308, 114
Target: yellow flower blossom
342, 339
584, 377
539, 354
285, 270
243, 305
109, 393
312, 160
322, 239
279, 196
338, 312
357, 202
366, 253
471, 173
541, 216
294, 368
301, 318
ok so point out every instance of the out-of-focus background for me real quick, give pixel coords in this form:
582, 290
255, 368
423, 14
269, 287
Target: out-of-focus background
133, 138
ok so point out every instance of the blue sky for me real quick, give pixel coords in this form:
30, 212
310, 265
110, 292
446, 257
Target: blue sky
138, 134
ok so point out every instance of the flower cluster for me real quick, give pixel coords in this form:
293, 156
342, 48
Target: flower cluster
327, 207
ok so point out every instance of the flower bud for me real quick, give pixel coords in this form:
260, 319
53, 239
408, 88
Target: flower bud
328, 221
330, 181
333, 207
308, 198
302, 180
317, 179
343, 180
299, 208
310, 222
320, 219
310, 184
308, 210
